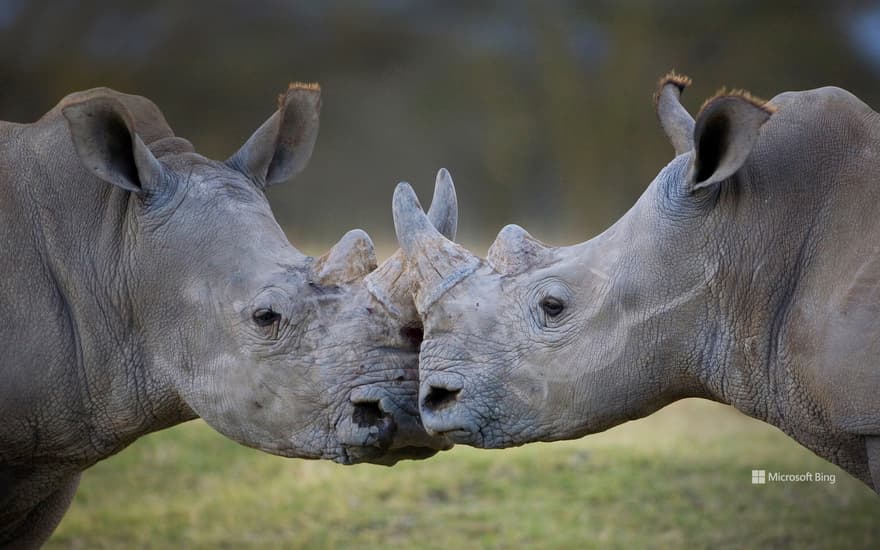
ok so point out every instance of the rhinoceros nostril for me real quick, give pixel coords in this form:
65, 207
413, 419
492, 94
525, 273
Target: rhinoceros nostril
413, 335
439, 398
367, 413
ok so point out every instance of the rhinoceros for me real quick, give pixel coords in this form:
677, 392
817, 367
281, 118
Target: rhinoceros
145, 285
747, 273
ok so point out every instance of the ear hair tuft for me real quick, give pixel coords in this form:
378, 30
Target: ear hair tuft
762, 104
680, 81
309, 86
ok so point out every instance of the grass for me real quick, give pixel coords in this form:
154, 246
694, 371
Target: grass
681, 478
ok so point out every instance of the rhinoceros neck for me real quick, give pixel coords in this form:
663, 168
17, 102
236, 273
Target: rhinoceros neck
797, 273
647, 333
76, 353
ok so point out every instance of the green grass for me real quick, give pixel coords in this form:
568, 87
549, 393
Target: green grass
681, 478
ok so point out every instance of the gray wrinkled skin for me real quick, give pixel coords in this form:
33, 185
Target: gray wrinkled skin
747, 273
145, 285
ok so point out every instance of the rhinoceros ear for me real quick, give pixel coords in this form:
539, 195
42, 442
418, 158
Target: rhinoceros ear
677, 123
103, 135
515, 251
726, 130
282, 146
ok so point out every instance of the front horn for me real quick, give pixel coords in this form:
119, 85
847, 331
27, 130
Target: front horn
390, 283
434, 262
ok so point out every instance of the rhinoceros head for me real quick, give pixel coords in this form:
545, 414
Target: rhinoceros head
544, 343
277, 350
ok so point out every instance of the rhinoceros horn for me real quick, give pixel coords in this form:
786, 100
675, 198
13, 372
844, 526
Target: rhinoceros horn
435, 263
351, 259
514, 251
443, 212
391, 283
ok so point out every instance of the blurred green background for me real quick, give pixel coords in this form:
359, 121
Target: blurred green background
541, 110
543, 113
680, 478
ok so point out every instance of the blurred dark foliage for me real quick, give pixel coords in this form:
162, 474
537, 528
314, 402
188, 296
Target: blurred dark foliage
541, 110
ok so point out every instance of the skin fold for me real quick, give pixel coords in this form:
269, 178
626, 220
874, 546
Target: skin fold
747, 273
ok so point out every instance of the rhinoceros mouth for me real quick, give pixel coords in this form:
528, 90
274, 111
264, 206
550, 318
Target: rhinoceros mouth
349, 455
455, 428
371, 455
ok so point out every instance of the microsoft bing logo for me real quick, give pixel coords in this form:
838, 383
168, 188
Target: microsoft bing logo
762, 477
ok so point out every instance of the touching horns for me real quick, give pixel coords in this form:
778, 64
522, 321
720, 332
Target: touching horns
391, 284
435, 262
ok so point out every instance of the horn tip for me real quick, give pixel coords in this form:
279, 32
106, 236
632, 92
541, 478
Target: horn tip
402, 187
404, 196
358, 235
512, 229
444, 181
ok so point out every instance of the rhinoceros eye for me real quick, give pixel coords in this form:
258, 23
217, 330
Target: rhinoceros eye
266, 316
552, 306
